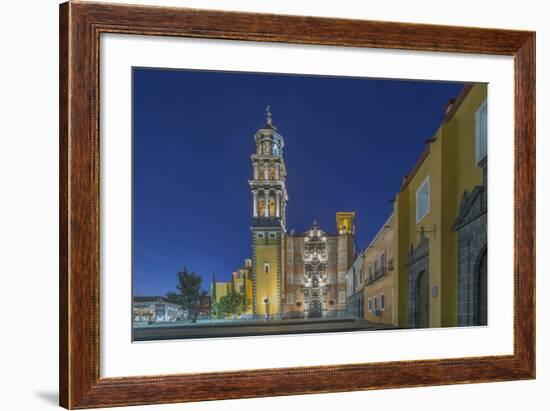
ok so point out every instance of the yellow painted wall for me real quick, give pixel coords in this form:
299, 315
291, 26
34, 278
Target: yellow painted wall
238, 283
386, 287
401, 246
222, 289
268, 285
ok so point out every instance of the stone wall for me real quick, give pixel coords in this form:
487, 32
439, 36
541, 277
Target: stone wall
471, 227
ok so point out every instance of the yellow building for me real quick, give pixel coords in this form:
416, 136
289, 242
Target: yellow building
242, 283
380, 288
441, 222
219, 290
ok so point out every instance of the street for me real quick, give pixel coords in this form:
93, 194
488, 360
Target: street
169, 331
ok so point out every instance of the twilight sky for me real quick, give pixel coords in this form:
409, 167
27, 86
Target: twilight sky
349, 142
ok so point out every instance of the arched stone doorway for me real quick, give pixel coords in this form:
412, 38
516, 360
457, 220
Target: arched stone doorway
423, 300
481, 279
315, 309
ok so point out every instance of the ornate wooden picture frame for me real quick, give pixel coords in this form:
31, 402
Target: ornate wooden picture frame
81, 25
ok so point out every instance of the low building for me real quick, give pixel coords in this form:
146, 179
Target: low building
355, 280
205, 306
381, 281
242, 283
156, 309
219, 289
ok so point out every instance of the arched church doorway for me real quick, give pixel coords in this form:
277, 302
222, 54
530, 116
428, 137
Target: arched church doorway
481, 277
315, 309
423, 300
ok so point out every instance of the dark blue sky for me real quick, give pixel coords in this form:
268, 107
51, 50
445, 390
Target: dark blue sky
349, 142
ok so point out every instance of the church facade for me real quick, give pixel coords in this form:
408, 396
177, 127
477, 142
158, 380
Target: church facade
294, 275
315, 270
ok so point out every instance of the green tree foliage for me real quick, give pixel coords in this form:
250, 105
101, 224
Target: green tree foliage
188, 292
230, 305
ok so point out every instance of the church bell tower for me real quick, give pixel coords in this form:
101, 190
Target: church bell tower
269, 198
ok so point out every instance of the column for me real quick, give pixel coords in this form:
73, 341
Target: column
266, 171
255, 171
277, 204
255, 196
266, 212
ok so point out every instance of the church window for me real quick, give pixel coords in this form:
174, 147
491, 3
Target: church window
266, 268
481, 132
423, 200
261, 235
290, 278
290, 298
272, 235
342, 277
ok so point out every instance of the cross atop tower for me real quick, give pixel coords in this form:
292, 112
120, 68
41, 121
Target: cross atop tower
269, 119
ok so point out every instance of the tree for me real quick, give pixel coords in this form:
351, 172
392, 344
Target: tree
231, 304
189, 292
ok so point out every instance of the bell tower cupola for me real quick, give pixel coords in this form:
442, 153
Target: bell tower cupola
269, 196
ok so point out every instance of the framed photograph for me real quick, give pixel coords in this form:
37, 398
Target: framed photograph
259, 205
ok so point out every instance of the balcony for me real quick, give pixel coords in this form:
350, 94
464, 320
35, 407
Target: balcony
376, 275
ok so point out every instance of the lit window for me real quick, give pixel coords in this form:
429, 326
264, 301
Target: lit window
266, 268
290, 298
382, 302
423, 200
370, 305
341, 297
481, 132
